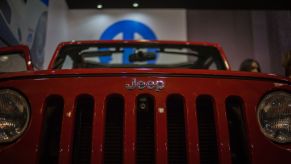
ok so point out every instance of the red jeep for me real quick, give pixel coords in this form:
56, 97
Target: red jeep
140, 102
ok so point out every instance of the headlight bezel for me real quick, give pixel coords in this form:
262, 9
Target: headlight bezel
258, 114
28, 115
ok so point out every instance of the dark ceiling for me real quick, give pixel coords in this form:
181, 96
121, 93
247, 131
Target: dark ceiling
184, 4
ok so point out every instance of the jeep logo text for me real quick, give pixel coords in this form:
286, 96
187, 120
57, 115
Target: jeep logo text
156, 85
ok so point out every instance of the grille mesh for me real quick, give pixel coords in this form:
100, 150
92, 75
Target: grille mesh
176, 130
113, 141
237, 131
83, 130
207, 132
145, 142
145, 152
52, 124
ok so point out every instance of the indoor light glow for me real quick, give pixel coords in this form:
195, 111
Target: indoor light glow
135, 4
99, 6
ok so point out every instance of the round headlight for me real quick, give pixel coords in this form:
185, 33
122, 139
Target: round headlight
274, 116
14, 115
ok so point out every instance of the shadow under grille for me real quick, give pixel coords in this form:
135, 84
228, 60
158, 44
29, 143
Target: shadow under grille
83, 130
237, 131
207, 132
176, 130
50, 142
145, 142
113, 140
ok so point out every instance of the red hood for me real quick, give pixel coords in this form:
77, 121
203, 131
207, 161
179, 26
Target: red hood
149, 71
69, 86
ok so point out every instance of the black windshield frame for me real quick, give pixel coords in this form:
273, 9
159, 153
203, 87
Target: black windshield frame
75, 49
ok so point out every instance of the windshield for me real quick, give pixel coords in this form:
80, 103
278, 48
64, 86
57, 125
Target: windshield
139, 56
12, 62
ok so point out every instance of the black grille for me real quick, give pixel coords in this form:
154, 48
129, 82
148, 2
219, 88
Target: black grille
176, 130
207, 132
145, 130
113, 141
145, 142
237, 131
83, 130
52, 125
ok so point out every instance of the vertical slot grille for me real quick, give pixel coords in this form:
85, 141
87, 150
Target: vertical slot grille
237, 131
207, 132
50, 142
113, 141
176, 130
83, 130
145, 143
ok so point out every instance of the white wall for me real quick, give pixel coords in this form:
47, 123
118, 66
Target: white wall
57, 29
25, 22
90, 24
66, 25
231, 29
261, 40
242, 34
279, 30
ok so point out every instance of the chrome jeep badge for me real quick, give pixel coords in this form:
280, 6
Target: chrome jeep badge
156, 85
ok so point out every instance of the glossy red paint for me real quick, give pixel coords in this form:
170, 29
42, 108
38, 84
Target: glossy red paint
36, 86
19, 49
